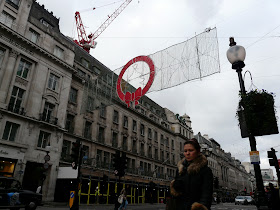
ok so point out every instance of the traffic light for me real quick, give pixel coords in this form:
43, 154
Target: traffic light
272, 157
117, 162
123, 165
75, 153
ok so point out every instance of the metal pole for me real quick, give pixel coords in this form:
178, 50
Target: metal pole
76, 198
262, 200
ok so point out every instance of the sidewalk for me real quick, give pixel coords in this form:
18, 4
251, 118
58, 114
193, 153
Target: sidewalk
63, 204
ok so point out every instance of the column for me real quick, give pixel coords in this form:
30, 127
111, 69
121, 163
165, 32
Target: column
7, 76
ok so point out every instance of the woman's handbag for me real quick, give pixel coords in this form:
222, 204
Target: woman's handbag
120, 199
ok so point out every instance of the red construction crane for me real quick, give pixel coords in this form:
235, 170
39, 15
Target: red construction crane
87, 42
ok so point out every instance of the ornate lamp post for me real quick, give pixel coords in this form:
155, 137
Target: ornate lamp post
236, 55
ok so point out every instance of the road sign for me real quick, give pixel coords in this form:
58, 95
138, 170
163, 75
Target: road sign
71, 200
254, 157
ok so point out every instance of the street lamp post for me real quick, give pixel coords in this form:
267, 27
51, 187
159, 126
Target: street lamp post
236, 56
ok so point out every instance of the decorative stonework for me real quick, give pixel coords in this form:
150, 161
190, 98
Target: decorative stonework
11, 41
13, 53
20, 81
30, 127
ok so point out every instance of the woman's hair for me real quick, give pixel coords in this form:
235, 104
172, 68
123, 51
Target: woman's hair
193, 142
123, 191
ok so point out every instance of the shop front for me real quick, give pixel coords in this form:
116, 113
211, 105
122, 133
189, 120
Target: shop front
10, 158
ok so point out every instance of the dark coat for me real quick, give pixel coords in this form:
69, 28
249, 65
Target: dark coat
193, 184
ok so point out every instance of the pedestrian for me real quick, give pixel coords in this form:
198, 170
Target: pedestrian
274, 197
192, 188
122, 200
39, 188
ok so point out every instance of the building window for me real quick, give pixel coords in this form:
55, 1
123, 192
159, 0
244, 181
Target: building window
116, 117
70, 123
23, 68
125, 122
90, 104
134, 125
149, 133
106, 159
58, 52
16, 100
10, 131
45, 23
34, 36
167, 141
161, 139
7, 19
150, 152
53, 82
142, 149
98, 156
103, 110
134, 148
101, 135
14, 3
142, 129
85, 151
115, 140
172, 144
73, 95
44, 139
2, 53
96, 70
156, 153
124, 143
162, 155
48, 111
85, 63
87, 130
156, 136
65, 153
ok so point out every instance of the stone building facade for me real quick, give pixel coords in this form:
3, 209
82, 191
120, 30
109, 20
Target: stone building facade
43, 110
230, 176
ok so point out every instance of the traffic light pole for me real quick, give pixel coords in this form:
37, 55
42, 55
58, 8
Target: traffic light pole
75, 205
275, 163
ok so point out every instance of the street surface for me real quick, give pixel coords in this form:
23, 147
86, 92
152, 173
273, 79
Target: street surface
222, 206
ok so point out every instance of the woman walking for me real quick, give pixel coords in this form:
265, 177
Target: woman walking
192, 188
123, 200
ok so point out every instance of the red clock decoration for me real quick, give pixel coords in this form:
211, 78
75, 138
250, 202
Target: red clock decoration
134, 97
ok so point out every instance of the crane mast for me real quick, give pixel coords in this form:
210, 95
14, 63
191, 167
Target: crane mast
87, 42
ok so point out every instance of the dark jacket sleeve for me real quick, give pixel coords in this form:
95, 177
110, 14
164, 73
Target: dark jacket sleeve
206, 187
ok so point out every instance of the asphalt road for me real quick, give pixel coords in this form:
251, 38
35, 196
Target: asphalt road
222, 206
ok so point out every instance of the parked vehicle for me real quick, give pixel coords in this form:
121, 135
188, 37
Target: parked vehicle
244, 200
250, 200
12, 196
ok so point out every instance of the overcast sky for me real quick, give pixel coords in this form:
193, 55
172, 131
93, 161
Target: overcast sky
147, 26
